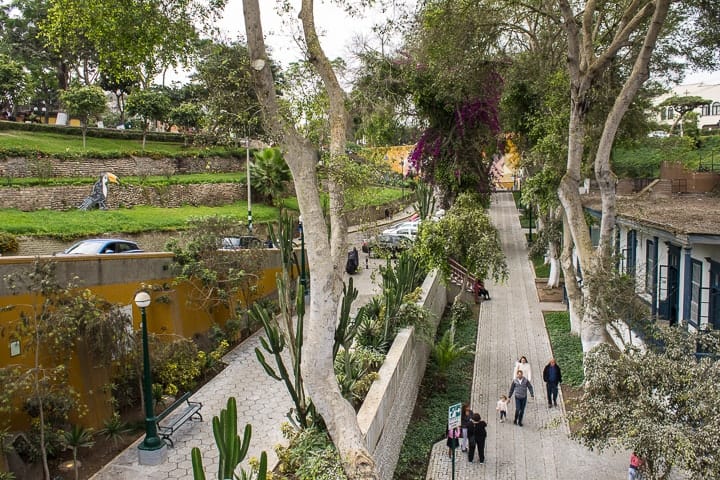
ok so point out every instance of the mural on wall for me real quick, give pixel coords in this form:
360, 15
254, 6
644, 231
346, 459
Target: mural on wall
99, 192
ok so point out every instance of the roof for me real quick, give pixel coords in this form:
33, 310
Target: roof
688, 214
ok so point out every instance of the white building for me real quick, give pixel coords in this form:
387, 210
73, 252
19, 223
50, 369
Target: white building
709, 115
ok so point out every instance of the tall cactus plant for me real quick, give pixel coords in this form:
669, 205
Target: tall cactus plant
232, 449
425, 200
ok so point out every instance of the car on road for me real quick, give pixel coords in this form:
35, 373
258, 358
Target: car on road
102, 246
240, 243
389, 244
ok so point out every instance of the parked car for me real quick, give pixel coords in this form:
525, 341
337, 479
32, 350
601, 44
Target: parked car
239, 243
389, 243
102, 246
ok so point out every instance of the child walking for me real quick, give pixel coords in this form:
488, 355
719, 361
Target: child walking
453, 439
501, 407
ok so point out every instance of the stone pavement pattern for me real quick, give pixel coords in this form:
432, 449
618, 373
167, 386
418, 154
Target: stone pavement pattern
261, 402
511, 325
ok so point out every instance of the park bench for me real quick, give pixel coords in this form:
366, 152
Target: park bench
167, 428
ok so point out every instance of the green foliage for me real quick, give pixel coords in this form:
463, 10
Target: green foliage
460, 312
466, 235
566, 347
8, 243
186, 116
447, 351
642, 159
114, 429
150, 106
231, 448
270, 174
656, 399
76, 438
356, 370
12, 82
542, 269
84, 102
311, 455
429, 423
424, 200
175, 365
217, 276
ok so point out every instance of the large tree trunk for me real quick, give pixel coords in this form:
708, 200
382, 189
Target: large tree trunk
326, 278
585, 68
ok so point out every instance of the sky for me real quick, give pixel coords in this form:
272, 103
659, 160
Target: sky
337, 31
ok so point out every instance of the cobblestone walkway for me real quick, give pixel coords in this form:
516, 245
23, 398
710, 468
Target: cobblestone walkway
261, 402
511, 325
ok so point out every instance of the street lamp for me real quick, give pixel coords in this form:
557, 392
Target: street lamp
402, 180
152, 450
247, 159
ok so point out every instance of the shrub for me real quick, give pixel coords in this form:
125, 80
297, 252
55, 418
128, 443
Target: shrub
567, 347
8, 243
311, 455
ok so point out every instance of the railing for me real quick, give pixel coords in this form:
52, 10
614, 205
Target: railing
458, 275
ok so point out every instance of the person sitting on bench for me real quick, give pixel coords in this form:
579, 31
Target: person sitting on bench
480, 290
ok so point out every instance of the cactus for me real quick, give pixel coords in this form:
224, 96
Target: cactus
232, 449
425, 200
284, 332
346, 328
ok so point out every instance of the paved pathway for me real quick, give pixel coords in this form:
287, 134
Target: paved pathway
511, 325
261, 401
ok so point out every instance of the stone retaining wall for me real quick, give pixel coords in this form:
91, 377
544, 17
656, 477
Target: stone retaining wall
69, 197
50, 167
386, 411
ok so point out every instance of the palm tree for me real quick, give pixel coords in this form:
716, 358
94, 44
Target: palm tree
269, 174
78, 437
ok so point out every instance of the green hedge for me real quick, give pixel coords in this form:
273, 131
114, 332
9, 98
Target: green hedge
429, 421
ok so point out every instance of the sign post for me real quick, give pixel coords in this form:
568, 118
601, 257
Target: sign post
454, 413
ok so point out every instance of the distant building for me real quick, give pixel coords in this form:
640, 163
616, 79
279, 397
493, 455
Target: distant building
708, 115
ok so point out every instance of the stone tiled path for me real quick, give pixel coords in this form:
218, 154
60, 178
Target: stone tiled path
511, 325
261, 402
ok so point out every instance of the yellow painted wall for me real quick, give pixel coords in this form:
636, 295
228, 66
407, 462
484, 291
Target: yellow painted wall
175, 316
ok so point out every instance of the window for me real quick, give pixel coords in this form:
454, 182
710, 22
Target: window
695, 293
705, 110
715, 108
670, 113
650, 266
631, 244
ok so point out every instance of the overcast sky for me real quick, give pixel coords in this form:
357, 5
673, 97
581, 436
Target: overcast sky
337, 31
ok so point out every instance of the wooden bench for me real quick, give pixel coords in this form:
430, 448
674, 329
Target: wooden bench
168, 428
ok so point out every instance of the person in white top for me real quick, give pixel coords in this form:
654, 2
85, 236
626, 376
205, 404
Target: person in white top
523, 365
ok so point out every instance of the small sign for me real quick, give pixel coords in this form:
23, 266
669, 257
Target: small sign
454, 413
15, 348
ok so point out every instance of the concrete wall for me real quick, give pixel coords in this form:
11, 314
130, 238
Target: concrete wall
386, 411
115, 278
686, 181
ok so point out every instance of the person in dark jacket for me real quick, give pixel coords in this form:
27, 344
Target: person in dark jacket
552, 378
520, 387
477, 435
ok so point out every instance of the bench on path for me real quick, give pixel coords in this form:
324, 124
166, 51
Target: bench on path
168, 428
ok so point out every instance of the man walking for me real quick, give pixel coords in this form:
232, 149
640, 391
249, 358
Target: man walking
552, 378
520, 387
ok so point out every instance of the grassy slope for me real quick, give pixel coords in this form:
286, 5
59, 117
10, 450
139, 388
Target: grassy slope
52, 143
643, 158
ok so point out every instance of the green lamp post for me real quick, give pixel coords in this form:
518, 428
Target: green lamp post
152, 450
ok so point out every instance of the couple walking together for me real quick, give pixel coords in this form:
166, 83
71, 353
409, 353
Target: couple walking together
521, 385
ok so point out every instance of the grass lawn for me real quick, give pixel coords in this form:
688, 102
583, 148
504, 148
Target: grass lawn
566, 347
74, 223
60, 144
153, 180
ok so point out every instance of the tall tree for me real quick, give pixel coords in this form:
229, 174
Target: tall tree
593, 45
326, 255
84, 102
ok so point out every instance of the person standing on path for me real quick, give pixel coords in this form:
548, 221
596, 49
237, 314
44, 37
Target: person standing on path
502, 407
465, 420
523, 365
520, 387
477, 434
634, 469
552, 378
